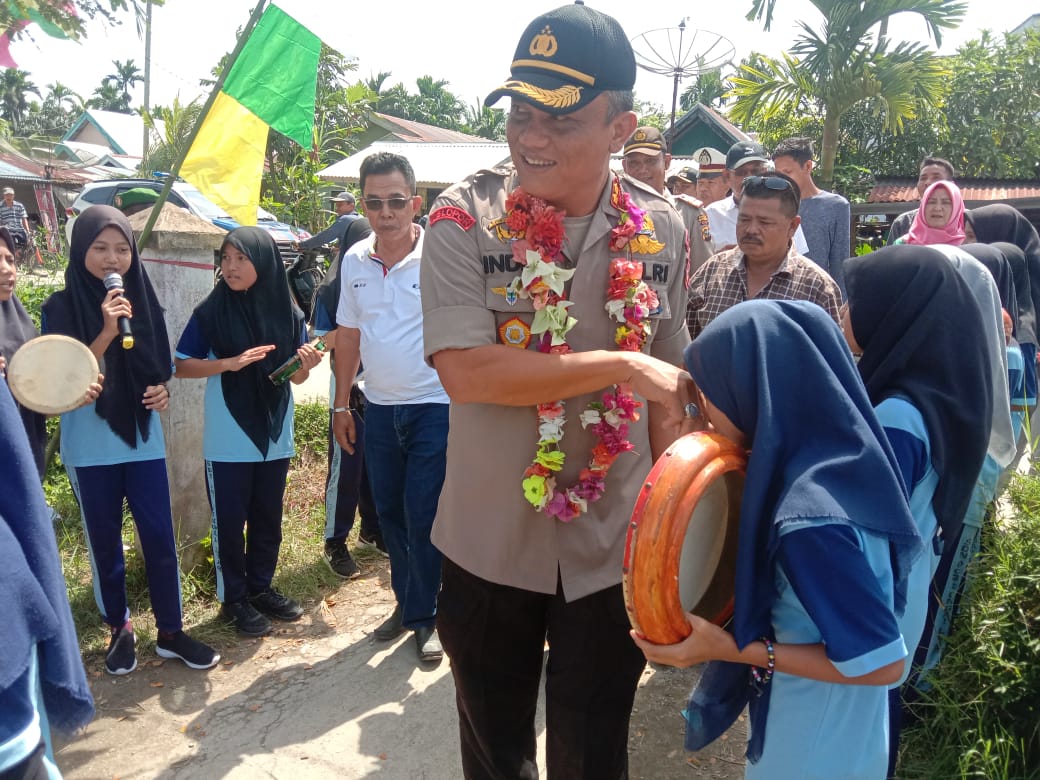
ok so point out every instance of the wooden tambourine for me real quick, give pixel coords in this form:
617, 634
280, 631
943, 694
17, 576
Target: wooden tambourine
51, 374
680, 555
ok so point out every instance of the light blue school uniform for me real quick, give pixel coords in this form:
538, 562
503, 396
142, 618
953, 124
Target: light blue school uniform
908, 435
88, 440
828, 730
223, 440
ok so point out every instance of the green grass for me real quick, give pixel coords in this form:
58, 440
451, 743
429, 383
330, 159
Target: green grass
982, 717
301, 573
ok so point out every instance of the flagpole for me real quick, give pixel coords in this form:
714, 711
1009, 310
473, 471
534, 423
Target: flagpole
217, 87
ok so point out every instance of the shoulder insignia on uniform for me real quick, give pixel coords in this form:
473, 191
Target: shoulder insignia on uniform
705, 227
514, 332
690, 200
460, 217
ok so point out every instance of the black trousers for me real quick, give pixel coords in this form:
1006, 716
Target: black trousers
246, 496
495, 636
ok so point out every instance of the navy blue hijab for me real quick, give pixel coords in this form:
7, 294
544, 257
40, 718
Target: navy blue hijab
782, 373
34, 609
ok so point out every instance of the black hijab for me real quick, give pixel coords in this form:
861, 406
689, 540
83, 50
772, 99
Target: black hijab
233, 322
76, 312
922, 336
1000, 222
1016, 260
328, 290
1000, 269
16, 328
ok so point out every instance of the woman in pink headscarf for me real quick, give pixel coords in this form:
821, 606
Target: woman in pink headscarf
940, 220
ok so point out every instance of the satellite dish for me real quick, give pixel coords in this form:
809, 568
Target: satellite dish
681, 53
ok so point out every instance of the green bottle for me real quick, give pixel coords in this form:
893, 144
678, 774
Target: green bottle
285, 371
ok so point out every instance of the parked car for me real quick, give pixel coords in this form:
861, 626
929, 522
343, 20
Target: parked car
187, 196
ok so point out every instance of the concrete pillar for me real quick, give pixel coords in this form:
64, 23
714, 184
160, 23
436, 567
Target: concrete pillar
179, 259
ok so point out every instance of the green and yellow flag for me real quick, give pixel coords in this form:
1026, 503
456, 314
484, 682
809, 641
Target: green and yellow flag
271, 84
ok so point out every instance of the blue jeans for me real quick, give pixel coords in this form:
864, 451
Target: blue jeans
405, 453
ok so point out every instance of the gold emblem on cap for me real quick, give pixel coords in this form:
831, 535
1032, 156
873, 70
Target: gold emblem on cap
561, 97
640, 135
544, 44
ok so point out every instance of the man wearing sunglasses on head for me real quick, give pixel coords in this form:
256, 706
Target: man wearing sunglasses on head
380, 321
745, 158
765, 263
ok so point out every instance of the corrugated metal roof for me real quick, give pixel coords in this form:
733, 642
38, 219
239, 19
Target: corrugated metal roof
411, 131
435, 164
905, 190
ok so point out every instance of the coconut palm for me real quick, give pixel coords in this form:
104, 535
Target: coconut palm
14, 86
127, 74
847, 61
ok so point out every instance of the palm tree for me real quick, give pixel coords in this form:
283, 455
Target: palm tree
845, 63
127, 74
485, 122
107, 97
14, 86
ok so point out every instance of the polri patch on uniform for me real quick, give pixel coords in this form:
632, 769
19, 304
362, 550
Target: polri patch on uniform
514, 332
460, 217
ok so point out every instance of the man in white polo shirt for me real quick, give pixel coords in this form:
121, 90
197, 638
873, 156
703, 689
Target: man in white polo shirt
380, 322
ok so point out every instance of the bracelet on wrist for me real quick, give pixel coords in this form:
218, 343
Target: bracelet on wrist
762, 677
338, 409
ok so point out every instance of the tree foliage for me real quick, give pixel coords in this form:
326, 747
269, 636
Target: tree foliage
845, 62
15, 85
984, 121
69, 17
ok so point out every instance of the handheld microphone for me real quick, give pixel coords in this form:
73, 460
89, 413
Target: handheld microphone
114, 281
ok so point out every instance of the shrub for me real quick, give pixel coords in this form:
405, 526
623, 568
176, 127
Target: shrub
982, 717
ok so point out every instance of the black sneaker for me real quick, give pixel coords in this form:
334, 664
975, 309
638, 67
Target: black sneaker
340, 562
193, 652
121, 657
246, 618
274, 604
370, 541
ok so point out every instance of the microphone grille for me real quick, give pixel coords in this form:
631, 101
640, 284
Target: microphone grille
113, 281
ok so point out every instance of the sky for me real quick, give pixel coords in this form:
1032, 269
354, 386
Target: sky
468, 43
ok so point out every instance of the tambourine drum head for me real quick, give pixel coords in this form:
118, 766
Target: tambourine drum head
680, 555
708, 559
51, 374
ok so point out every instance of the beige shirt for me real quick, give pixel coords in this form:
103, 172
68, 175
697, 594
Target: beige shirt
483, 522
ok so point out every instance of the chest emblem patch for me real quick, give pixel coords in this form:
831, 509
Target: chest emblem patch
514, 332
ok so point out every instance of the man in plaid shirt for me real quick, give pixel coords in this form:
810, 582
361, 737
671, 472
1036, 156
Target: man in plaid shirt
764, 264
14, 217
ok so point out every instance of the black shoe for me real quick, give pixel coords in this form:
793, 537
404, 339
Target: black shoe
372, 540
340, 562
274, 604
246, 618
193, 652
428, 644
121, 657
392, 627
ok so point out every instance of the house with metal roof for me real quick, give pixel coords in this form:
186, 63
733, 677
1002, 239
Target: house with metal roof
437, 165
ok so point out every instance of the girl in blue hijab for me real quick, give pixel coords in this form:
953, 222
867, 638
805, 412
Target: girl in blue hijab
825, 542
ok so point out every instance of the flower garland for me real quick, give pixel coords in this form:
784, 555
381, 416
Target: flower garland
537, 233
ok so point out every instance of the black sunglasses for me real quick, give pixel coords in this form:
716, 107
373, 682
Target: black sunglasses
769, 182
376, 204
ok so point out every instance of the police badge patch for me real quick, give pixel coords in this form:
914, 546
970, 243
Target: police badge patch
514, 332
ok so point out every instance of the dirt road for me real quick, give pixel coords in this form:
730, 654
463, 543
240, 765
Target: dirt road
321, 699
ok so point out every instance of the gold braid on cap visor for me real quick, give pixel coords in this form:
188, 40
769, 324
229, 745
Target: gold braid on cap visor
561, 97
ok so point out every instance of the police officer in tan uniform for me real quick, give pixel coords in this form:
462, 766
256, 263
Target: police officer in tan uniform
646, 159
515, 577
